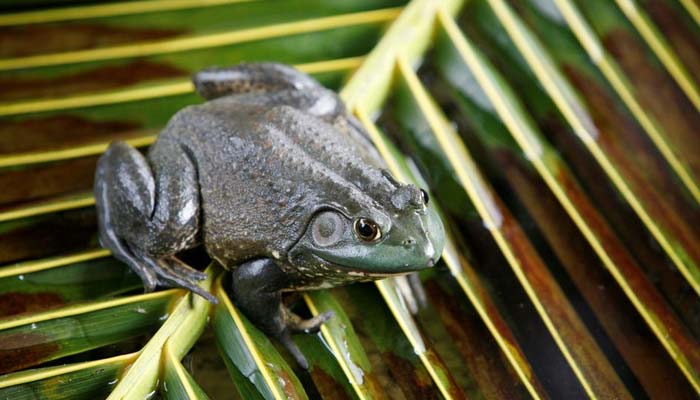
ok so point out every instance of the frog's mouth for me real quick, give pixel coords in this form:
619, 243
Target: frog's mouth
367, 265
354, 271
324, 264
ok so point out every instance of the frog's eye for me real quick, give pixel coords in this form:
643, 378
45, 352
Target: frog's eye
425, 196
367, 230
327, 228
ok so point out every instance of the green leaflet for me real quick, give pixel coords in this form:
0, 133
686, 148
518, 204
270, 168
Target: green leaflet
246, 348
88, 380
56, 287
340, 336
177, 382
32, 340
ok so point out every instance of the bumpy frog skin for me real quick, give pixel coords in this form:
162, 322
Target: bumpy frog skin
281, 186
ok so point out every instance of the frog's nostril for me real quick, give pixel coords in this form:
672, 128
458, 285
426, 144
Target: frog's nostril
409, 242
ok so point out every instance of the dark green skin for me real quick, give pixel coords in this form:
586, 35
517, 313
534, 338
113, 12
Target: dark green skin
270, 175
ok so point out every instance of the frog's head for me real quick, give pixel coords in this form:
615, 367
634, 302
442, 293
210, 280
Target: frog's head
399, 233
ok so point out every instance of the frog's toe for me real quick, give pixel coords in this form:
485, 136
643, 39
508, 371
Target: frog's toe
311, 325
185, 270
150, 282
171, 278
148, 277
177, 274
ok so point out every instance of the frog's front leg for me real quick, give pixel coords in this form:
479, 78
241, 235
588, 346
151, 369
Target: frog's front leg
149, 212
256, 290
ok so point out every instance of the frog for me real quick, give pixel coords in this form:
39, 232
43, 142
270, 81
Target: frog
278, 182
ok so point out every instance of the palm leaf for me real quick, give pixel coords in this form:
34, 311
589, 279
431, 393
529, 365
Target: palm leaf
557, 139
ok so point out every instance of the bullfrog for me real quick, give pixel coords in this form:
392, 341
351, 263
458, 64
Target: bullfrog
280, 185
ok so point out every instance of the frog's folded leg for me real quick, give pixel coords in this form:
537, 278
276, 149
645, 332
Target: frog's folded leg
262, 77
257, 290
146, 216
275, 84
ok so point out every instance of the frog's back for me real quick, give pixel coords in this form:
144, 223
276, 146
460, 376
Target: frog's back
263, 171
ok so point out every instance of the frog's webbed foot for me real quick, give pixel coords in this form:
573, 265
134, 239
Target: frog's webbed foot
298, 324
171, 272
256, 287
140, 230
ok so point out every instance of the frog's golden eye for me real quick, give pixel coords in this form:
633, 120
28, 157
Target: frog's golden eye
367, 230
425, 196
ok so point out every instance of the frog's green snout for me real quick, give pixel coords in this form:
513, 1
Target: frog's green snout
428, 253
435, 242
423, 247
426, 238
417, 259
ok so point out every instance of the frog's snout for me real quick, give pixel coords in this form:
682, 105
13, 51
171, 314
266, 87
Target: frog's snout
435, 235
429, 254
408, 243
425, 251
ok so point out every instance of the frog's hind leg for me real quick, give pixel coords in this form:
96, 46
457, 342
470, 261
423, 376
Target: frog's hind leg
280, 83
256, 290
146, 216
216, 82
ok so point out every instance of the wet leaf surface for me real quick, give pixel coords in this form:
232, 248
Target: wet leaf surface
48, 235
35, 39
32, 340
